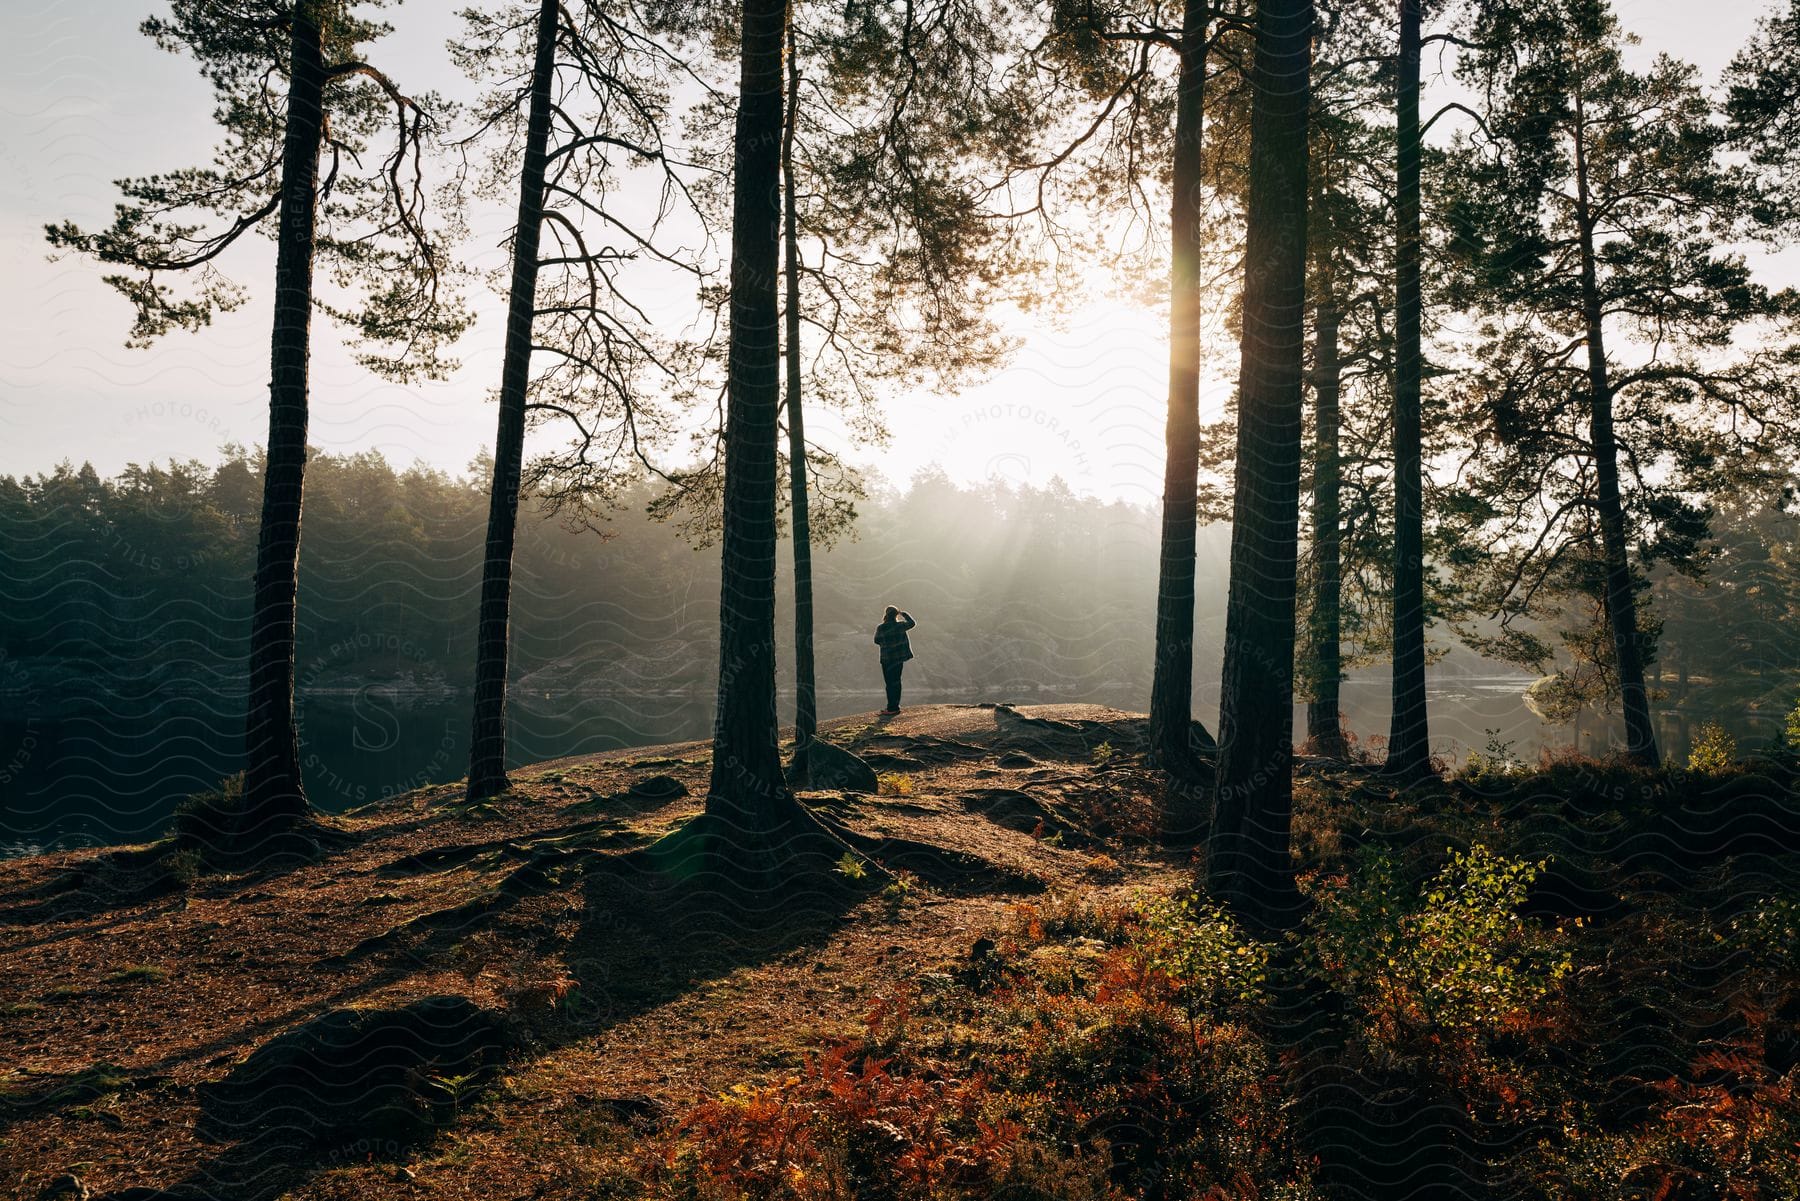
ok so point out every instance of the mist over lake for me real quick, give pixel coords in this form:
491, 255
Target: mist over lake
113, 768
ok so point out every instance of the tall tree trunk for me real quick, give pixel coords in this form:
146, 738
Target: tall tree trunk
1324, 722
1248, 861
806, 706
747, 793
1682, 742
1621, 590
487, 746
1409, 735
273, 793
1172, 686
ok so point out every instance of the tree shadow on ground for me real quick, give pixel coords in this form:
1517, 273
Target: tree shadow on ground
120, 878
647, 933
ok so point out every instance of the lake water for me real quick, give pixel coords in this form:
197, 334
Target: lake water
113, 770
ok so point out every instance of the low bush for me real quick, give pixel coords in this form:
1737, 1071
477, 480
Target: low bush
1439, 968
1714, 749
205, 821
1496, 762
1735, 1135
1105, 1051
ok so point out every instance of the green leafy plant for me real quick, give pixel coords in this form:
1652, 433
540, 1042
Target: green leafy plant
1791, 731
895, 784
138, 973
1103, 754
851, 868
899, 890
185, 865
455, 1089
1767, 935
1450, 960
203, 818
1495, 761
1210, 963
1714, 749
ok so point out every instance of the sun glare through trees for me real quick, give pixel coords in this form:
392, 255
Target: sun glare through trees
1076, 600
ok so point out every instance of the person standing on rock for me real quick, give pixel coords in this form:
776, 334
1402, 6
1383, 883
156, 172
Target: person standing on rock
890, 636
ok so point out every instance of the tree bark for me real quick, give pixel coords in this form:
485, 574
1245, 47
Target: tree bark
747, 793
1172, 686
1621, 589
806, 706
1409, 735
1248, 861
1324, 721
273, 793
487, 744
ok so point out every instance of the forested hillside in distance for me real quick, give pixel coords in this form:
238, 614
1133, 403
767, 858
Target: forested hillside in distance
1021, 588
139, 582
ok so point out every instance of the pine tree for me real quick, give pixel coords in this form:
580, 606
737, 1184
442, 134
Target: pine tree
587, 123
1247, 863
1409, 744
1763, 109
1114, 106
292, 86
1593, 214
1172, 737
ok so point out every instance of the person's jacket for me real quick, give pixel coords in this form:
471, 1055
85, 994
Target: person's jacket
890, 636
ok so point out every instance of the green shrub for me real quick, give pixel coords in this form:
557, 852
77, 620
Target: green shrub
1495, 762
1450, 960
899, 890
1767, 934
1791, 731
1211, 965
185, 866
205, 820
1714, 750
1143, 1041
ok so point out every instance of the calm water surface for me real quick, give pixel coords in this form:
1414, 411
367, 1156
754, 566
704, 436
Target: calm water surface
113, 769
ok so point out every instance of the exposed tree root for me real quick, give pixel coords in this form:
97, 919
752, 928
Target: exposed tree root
1015, 809
942, 868
125, 876
889, 761
602, 833
810, 861
549, 864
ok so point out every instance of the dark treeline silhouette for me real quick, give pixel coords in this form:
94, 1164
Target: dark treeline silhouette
124, 595
127, 601
135, 578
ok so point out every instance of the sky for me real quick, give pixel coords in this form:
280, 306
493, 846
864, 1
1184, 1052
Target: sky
86, 99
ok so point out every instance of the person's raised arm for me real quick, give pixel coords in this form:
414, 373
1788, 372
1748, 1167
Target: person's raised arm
907, 618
